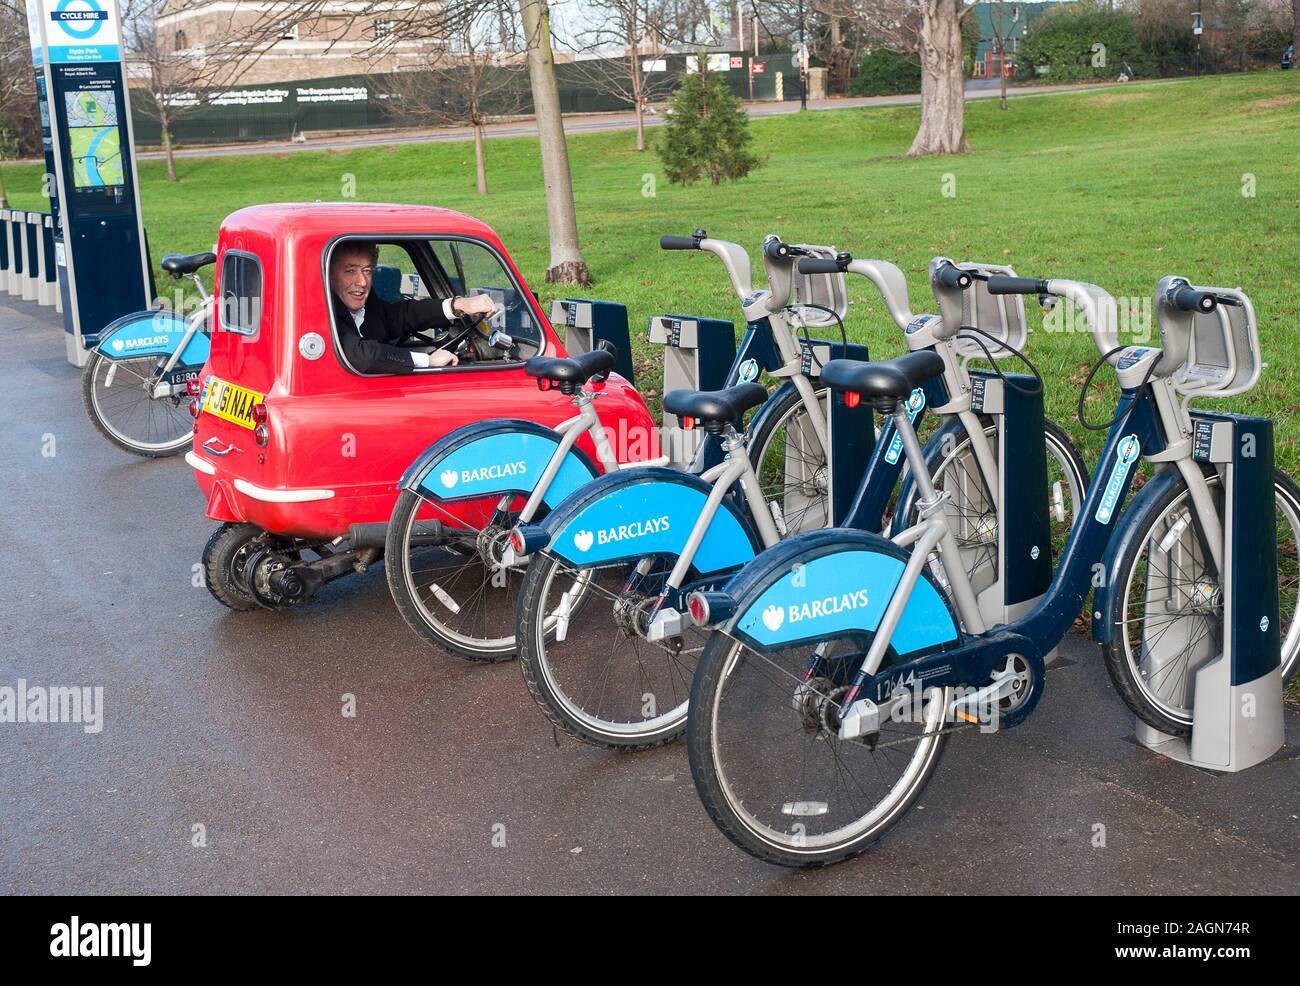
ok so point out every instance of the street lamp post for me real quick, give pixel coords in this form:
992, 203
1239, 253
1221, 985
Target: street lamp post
1196, 30
803, 62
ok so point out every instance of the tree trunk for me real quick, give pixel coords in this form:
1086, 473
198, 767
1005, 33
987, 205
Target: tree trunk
567, 265
167, 150
4, 201
1295, 30
480, 168
1002, 70
943, 97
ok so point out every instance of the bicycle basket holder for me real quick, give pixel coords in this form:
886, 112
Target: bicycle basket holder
1000, 315
1223, 354
827, 290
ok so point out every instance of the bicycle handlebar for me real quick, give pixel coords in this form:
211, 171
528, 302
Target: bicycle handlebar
1187, 298
678, 243
824, 265
1003, 284
952, 276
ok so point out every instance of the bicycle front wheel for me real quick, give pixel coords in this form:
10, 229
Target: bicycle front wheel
790, 463
1168, 607
772, 771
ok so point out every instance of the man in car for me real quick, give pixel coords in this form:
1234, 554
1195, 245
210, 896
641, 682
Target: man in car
368, 326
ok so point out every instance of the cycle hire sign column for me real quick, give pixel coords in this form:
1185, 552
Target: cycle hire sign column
99, 245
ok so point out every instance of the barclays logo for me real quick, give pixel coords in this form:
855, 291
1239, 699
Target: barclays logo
504, 470
829, 606
583, 540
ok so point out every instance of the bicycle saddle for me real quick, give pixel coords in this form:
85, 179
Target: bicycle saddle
715, 405
570, 371
177, 265
885, 382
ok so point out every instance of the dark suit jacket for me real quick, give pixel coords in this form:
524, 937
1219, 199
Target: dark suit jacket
369, 348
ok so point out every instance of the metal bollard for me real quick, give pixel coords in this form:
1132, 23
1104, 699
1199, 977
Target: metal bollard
49, 290
31, 255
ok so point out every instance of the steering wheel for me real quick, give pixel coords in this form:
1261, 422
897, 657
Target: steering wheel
470, 323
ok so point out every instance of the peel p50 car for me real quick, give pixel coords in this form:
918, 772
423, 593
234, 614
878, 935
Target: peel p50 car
298, 451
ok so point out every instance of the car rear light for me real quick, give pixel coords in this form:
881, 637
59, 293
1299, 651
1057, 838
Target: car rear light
194, 387
852, 398
194, 411
259, 414
262, 434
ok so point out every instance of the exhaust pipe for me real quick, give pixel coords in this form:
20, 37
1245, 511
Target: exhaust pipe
373, 535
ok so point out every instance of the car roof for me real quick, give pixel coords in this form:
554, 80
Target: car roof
292, 220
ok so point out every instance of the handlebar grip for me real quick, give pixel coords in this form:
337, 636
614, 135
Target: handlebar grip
1002, 284
951, 276
776, 250
1189, 299
678, 243
819, 265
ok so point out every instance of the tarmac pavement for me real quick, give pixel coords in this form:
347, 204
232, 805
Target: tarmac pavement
232, 722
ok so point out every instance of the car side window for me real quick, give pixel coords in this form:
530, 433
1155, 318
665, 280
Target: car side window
474, 269
240, 306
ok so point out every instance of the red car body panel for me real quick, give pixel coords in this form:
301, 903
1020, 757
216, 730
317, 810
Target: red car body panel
335, 430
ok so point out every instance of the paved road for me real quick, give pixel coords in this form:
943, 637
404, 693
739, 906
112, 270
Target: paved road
232, 721
587, 123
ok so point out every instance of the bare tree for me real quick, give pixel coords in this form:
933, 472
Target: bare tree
933, 29
469, 85
1295, 26
624, 27
19, 125
1001, 33
567, 265
629, 31
180, 73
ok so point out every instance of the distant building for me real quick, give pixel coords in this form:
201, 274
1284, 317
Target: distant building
987, 64
333, 40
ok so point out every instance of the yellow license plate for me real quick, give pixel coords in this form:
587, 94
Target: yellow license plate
230, 403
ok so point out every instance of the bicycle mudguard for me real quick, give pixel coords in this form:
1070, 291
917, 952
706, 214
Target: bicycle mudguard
1132, 522
650, 511
490, 458
152, 333
932, 450
830, 584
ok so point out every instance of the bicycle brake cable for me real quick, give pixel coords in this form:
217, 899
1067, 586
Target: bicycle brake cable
803, 329
1027, 392
1087, 383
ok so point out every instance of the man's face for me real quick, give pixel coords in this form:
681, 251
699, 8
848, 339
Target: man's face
350, 277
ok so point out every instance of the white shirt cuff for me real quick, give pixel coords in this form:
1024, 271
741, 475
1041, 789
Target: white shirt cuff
447, 309
421, 360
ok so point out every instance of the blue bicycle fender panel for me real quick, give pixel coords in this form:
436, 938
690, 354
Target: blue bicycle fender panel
503, 461
650, 514
841, 593
152, 333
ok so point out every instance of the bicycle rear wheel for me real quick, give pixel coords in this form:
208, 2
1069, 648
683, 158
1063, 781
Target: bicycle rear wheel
772, 771
118, 400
